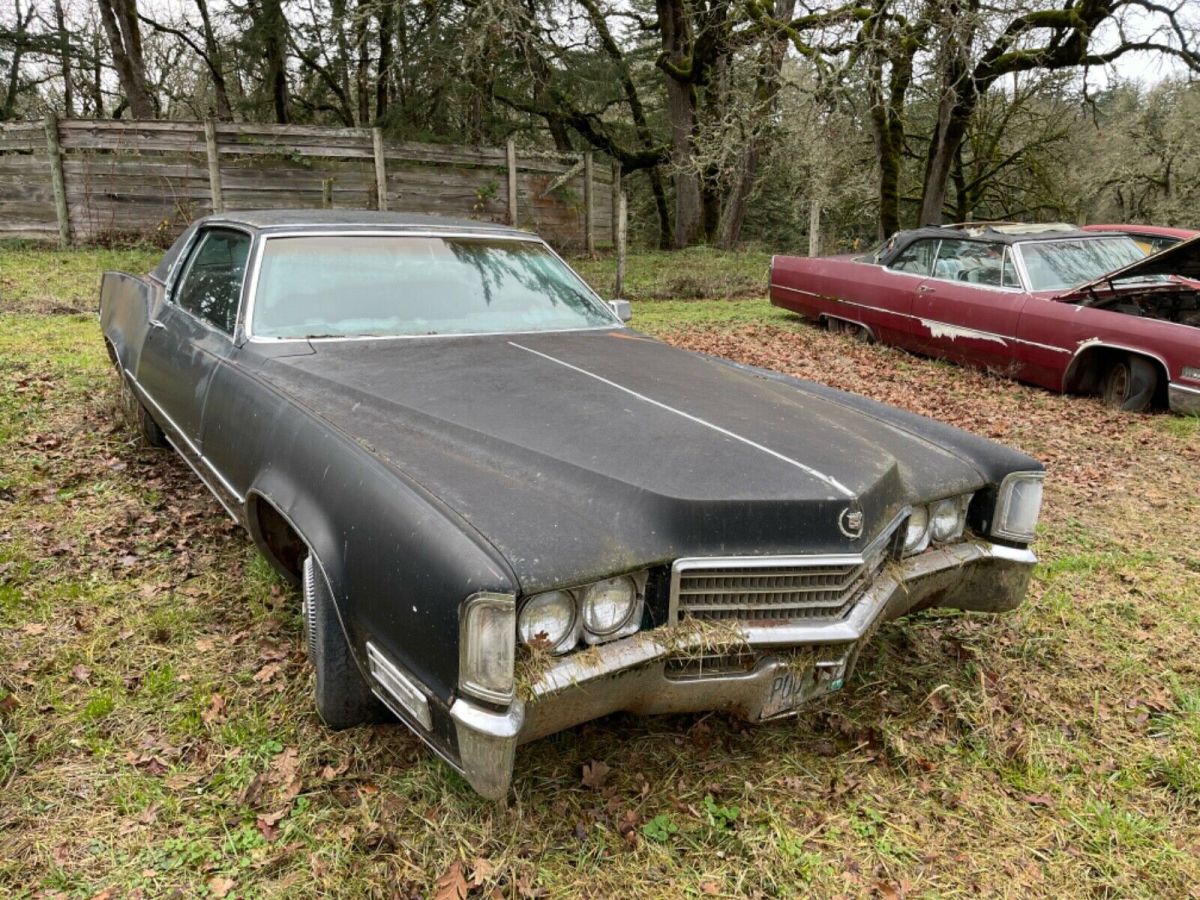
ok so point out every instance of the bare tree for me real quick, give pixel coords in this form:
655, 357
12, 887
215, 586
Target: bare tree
121, 24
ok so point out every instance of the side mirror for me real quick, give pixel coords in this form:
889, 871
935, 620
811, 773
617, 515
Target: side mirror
621, 309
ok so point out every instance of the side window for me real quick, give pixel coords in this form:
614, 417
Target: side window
212, 284
916, 258
975, 262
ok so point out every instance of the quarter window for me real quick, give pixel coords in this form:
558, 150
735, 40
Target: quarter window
212, 284
916, 258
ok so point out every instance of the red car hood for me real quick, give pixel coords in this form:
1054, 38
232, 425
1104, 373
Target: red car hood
1182, 261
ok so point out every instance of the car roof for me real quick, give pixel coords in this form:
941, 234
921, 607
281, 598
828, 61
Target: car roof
1001, 232
1156, 230
320, 221
348, 218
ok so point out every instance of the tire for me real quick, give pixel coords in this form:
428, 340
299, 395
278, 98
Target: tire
1129, 384
344, 698
148, 428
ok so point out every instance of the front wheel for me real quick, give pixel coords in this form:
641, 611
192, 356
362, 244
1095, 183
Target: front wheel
344, 698
1130, 384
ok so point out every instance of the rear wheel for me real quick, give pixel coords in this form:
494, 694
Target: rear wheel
343, 696
850, 329
1129, 384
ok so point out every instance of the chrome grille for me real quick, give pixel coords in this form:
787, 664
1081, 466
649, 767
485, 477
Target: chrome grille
790, 591
777, 588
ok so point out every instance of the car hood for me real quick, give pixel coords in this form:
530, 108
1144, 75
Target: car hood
1181, 260
580, 454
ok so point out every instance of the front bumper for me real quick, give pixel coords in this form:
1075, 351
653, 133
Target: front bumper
1183, 399
636, 675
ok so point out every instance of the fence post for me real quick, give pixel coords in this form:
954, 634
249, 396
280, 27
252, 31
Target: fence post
380, 170
214, 166
616, 197
619, 238
589, 232
510, 150
57, 182
326, 193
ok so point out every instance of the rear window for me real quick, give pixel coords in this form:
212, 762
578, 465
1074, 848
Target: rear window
396, 285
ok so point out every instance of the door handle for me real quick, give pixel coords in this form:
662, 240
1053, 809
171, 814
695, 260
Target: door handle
925, 289
154, 323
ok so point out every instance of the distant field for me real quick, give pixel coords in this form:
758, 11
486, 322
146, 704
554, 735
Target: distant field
157, 734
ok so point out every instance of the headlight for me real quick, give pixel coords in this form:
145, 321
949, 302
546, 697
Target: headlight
549, 621
916, 538
608, 607
487, 647
1018, 505
948, 518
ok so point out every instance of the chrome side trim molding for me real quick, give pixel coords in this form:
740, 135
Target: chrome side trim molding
987, 335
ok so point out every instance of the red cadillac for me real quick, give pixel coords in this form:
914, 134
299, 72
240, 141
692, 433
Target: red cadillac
1052, 305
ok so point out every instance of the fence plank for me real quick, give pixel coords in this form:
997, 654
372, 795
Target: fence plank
154, 177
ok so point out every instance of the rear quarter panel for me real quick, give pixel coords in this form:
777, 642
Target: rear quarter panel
839, 286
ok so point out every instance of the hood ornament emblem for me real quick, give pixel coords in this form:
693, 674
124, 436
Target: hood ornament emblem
850, 522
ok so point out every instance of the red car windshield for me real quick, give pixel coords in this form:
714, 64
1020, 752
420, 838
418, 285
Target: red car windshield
1059, 265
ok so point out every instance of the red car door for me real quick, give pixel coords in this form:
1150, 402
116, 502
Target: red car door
968, 309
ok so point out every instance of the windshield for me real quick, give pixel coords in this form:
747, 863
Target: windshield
1057, 265
390, 285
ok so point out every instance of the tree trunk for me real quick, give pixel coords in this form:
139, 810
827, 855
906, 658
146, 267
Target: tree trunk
13, 79
361, 74
383, 77
215, 66
125, 41
275, 29
64, 59
681, 112
766, 90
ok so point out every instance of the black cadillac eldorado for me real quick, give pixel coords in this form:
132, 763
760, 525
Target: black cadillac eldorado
508, 513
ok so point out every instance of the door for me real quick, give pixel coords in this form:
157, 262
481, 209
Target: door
191, 331
896, 288
967, 310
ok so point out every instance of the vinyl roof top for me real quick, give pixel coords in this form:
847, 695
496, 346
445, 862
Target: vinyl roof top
336, 218
1004, 232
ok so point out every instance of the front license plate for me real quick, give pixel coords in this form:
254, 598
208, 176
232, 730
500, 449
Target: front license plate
793, 686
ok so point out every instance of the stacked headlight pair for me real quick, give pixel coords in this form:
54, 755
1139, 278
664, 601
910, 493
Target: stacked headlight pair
557, 621
939, 522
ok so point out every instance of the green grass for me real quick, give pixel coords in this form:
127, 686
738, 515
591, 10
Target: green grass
1054, 751
692, 274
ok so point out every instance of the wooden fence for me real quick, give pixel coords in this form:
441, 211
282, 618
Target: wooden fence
85, 180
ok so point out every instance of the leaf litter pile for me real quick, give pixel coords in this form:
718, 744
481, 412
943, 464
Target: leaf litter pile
157, 736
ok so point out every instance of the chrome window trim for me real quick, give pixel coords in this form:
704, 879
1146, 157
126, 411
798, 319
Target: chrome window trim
247, 317
892, 312
687, 563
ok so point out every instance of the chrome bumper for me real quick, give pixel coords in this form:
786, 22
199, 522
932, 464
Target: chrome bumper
1183, 400
631, 674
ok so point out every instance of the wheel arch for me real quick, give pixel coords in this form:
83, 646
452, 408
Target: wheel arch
1087, 366
825, 318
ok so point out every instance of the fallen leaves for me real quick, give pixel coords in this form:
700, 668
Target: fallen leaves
451, 884
595, 775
